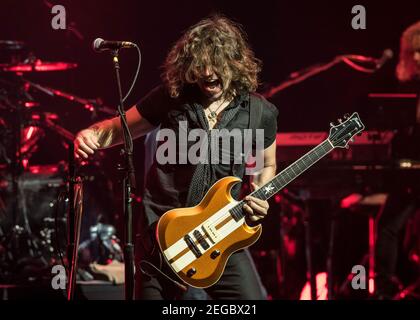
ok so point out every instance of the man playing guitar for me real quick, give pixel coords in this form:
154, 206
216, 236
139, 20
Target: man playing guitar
209, 79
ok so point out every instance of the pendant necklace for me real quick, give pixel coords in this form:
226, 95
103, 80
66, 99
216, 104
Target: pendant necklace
212, 116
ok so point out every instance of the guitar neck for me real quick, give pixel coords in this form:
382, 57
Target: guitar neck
286, 176
293, 171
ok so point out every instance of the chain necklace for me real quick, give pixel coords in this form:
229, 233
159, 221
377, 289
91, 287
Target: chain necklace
212, 116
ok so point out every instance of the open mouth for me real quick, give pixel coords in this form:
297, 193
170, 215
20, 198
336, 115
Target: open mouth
212, 84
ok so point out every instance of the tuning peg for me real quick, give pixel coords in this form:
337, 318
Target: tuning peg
332, 124
352, 139
340, 120
346, 116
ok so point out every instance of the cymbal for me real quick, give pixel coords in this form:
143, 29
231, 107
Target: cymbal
11, 45
38, 66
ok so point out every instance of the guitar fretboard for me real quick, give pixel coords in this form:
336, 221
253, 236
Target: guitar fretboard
286, 176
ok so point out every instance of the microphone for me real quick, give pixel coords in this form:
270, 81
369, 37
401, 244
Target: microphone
386, 55
100, 44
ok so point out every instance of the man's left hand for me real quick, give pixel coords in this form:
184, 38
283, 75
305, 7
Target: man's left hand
255, 208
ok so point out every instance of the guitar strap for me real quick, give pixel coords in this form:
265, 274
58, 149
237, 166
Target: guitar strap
255, 114
204, 175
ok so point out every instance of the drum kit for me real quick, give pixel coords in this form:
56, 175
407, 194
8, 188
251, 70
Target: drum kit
33, 198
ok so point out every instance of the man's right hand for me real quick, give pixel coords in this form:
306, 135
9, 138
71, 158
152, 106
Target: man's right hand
108, 133
86, 143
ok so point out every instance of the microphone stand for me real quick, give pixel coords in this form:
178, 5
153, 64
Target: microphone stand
129, 184
74, 222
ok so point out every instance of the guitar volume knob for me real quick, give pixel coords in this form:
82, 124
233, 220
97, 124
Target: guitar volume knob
215, 254
191, 272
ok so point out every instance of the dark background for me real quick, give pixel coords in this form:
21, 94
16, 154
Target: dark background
285, 35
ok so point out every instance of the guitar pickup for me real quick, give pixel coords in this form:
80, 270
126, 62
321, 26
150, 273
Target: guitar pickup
192, 246
201, 240
210, 231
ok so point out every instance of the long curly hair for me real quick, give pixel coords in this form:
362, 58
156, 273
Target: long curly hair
407, 69
216, 43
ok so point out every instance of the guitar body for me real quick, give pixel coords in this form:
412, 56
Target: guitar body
197, 242
221, 232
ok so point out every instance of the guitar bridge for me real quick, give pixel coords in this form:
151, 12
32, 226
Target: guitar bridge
201, 240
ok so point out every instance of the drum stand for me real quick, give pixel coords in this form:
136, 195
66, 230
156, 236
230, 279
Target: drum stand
19, 203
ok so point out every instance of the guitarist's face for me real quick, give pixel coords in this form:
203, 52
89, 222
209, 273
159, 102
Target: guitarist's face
210, 85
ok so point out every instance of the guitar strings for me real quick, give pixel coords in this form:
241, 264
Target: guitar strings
333, 136
236, 206
225, 216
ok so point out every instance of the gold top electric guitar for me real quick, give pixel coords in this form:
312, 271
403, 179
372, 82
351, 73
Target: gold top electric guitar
197, 241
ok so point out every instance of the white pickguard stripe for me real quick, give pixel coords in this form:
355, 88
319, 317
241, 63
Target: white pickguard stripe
189, 257
175, 249
184, 261
181, 245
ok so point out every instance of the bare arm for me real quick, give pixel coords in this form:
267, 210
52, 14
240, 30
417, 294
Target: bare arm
269, 170
257, 208
108, 133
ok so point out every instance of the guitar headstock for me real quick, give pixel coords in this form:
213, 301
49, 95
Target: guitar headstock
344, 132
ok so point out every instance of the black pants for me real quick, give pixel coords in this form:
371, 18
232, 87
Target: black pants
240, 281
398, 209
